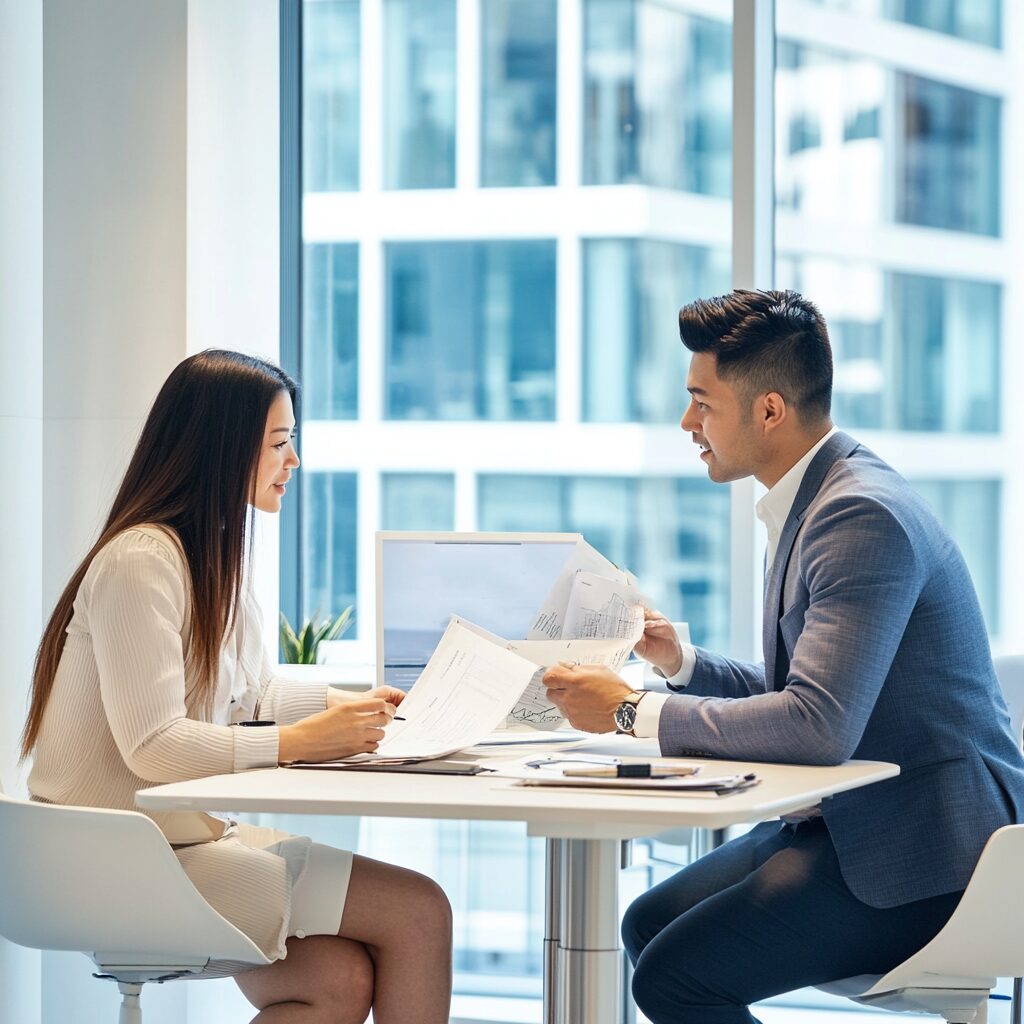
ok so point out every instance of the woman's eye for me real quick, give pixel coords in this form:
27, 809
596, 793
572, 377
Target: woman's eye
280, 446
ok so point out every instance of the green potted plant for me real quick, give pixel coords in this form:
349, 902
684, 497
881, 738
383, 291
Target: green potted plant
302, 648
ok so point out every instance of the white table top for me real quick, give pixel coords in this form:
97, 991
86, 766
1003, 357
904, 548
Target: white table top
558, 813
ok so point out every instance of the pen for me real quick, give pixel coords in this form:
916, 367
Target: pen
631, 771
397, 718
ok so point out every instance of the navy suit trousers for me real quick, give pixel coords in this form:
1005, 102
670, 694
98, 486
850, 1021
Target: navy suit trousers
764, 914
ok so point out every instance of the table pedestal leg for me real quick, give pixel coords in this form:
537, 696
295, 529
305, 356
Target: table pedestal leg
582, 952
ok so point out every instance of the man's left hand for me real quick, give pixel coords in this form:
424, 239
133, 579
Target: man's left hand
587, 695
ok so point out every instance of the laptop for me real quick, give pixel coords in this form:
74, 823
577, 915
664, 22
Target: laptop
497, 580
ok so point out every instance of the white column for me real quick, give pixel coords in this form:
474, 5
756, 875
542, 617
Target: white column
233, 205
114, 87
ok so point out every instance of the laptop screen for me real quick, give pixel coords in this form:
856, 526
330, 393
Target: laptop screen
496, 580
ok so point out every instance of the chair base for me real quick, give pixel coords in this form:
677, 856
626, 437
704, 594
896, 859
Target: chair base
131, 978
957, 1006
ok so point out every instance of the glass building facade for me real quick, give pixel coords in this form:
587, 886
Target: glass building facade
497, 242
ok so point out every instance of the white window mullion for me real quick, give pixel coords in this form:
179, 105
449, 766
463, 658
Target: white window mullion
468, 85
753, 266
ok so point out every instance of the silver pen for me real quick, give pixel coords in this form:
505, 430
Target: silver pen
632, 771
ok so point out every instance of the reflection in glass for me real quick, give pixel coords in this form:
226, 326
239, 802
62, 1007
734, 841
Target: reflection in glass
829, 152
517, 124
948, 165
672, 532
417, 501
657, 98
328, 543
970, 510
330, 95
419, 93
330, 332
856, 141
911, 352
978, 21
470, 331
634, 365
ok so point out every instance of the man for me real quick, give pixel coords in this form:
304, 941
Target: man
874, 647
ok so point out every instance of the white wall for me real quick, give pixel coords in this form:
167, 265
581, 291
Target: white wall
149, 231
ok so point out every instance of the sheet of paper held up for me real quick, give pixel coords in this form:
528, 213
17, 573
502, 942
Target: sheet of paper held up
603, 607
467, 689
550, 619
533, 707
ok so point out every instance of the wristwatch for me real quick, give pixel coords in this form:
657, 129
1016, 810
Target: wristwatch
625, 713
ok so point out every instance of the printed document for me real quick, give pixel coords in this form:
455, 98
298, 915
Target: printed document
468, 687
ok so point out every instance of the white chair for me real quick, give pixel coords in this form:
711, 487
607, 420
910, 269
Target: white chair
983, 940
106, 883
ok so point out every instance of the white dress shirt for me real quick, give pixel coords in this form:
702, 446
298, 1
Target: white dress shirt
773, 510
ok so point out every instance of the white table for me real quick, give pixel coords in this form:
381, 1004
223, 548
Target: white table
583, 829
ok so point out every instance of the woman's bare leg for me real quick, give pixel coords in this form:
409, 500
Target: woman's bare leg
394, 952
405, 922
323, 980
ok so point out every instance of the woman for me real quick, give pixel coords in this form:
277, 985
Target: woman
152, 663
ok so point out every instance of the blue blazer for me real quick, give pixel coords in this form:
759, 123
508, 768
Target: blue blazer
874, 648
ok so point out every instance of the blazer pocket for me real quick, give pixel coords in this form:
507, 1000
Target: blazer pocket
791, 625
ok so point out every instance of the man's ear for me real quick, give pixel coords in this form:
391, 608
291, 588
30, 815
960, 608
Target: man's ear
773, 411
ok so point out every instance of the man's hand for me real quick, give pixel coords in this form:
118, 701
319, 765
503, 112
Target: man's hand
586, 694
660, 645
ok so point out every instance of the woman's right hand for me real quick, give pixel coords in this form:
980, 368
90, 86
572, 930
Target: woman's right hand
354, 727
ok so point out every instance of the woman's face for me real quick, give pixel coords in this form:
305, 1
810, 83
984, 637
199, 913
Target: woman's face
277, 456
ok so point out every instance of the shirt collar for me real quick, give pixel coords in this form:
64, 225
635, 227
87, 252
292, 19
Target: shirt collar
774, 508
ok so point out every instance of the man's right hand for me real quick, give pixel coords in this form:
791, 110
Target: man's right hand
353, 727
660, 644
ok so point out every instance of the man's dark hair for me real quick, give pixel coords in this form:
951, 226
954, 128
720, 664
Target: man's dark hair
765, 341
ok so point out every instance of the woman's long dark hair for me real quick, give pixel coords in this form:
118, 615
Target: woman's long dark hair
193, 471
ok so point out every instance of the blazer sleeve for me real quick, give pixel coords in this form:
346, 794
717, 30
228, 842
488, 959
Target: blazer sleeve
717, 676
863, 580
136, 616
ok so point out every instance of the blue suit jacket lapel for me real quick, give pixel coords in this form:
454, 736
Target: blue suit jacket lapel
839, 446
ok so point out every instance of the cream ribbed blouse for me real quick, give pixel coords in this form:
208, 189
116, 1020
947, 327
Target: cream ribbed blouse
117, 722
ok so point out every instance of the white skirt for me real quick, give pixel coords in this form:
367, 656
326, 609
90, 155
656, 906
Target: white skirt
270, 885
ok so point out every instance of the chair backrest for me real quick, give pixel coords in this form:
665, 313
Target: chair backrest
985, 935
1010, 671
81, 878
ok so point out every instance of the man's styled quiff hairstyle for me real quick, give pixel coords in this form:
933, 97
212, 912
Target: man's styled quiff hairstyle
765, 341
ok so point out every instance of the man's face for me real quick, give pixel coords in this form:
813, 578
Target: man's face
727, 432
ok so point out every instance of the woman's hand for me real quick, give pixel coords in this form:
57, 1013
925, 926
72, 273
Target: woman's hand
389, 693
351, 727
660, 644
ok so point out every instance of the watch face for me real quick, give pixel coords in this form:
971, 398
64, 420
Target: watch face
625, 717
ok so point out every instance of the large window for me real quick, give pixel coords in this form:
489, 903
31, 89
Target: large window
471, 331
658, 94
419, 93
634, 365
491, 289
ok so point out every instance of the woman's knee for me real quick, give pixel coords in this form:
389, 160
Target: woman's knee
433, 908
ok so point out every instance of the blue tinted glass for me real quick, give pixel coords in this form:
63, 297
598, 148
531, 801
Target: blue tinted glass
329, 543
673, 533
330, 95
417, 501
517, 124
634, 365
419, 93
330, 332
948, 163
970, 510
470, 331
910, 352
979, 21
657, 98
